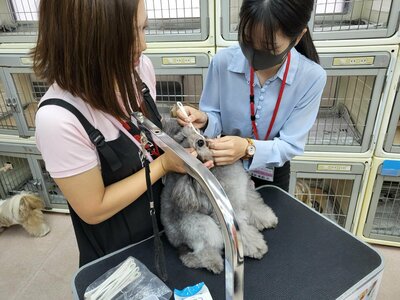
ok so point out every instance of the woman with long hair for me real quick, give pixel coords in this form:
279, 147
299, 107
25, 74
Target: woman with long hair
263, 95
90, 52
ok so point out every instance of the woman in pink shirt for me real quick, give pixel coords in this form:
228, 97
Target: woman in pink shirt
90, 51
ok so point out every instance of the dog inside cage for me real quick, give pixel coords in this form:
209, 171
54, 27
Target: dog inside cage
387, 215
16, 178
330, 197
343, 113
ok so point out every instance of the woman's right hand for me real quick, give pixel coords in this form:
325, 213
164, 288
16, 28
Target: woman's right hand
172, 163
196, 117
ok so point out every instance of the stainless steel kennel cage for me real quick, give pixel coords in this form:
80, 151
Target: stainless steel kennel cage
331, 19
350, 101
179, 76
380, 220
25, 171
168, 21
331, 188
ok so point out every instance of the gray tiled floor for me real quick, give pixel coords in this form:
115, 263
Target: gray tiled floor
42, 268
38, 268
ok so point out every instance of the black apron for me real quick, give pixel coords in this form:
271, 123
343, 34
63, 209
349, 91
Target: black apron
133, 223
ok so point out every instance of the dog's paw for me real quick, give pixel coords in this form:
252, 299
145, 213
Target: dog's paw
45, 229
212, 261
256, 249
216, 266
264, 219
38, 231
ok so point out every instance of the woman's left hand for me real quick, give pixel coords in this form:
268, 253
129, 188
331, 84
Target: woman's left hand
228, 149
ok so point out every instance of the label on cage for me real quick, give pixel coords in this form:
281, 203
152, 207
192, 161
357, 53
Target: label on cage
179, 60
26, 61
391, 168
353, 61
330, 167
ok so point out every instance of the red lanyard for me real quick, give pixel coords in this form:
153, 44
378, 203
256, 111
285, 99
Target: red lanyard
278, 101
150, 147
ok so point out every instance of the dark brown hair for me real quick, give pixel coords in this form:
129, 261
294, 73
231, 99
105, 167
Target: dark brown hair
289, 16
87, 48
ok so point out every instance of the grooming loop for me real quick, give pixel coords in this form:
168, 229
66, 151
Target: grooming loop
234, 267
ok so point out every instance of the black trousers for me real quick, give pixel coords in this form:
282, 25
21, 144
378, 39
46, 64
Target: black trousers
281, 178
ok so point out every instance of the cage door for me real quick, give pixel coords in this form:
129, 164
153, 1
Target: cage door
10, 109
27, 89
180, 77
51, 192
383, 220
332, 195
354, 19
348, 110
392, 140
177, 20
230, 19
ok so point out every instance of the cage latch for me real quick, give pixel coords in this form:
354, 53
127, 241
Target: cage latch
12, 103
37, 184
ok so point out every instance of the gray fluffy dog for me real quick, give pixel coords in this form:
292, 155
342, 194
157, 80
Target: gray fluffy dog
188, 217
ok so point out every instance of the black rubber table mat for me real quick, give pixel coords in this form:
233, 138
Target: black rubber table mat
308, 258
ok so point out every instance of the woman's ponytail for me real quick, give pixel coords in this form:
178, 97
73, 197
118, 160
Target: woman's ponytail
307, 48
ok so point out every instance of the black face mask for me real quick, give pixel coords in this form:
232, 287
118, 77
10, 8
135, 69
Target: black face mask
262, 60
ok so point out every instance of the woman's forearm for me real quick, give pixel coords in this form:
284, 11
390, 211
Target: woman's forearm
122, 193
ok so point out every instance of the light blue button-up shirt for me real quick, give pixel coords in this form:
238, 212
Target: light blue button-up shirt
226, 101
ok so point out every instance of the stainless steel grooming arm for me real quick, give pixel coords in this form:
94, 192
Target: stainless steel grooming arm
222, 207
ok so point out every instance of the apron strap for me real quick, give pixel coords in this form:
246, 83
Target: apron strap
95, 136
151, 104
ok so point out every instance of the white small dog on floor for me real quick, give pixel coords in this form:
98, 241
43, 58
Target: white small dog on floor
188, 217
24, 209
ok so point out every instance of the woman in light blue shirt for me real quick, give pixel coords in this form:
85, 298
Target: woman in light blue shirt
266, 125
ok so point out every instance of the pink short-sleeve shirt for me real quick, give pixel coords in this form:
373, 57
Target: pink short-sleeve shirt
61, 139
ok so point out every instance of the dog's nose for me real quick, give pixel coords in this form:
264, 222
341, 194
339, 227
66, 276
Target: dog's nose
200, 143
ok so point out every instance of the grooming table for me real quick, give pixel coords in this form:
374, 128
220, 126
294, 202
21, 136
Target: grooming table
309, 257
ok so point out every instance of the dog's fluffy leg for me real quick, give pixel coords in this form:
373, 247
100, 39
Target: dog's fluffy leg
254, 245
184, 195
261, 215
204, 237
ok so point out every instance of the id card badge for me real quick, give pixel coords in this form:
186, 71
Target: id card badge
266, 173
